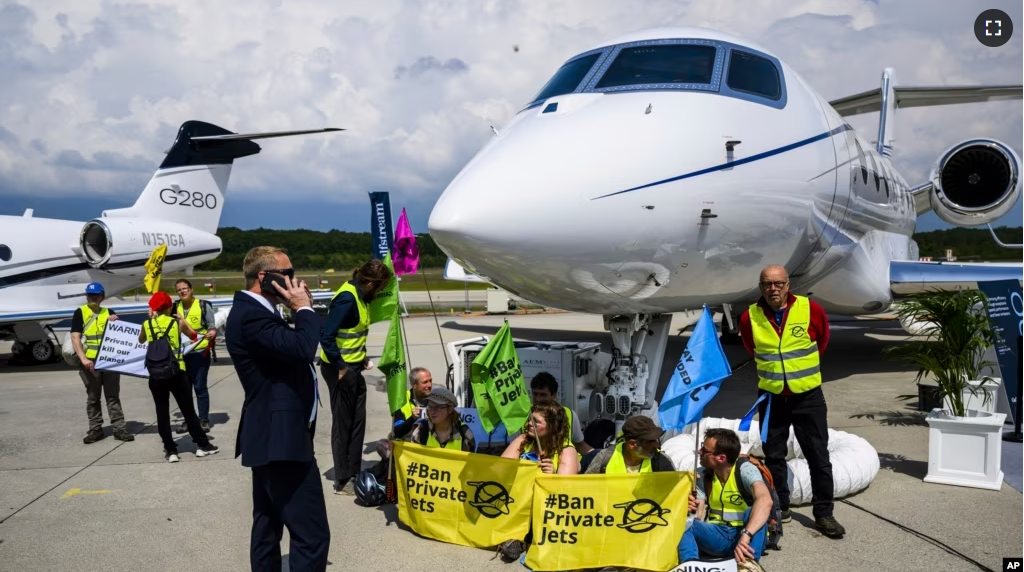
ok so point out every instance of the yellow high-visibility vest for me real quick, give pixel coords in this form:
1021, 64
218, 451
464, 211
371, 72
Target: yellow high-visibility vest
194, 317
790, 360
725, 503
92, 334
155, 332
617, 464
352, 341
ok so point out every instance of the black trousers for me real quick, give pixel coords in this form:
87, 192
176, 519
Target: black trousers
289, 493
181, 389
808, 414
348, 410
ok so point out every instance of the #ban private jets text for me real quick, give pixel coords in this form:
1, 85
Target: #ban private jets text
660, 171
46, 263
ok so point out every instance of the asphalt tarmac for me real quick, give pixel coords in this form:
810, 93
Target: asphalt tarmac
66, 506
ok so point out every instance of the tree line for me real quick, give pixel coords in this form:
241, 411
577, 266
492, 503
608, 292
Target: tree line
342, 251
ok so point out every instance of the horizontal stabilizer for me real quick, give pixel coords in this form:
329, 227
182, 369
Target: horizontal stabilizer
267, 135
871, 101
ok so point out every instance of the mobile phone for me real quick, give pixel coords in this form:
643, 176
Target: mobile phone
269, 278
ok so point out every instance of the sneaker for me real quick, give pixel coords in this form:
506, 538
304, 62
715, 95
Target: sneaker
205, 424
123, 436
348, 489
93, 436
787, 516
182, 429
206, 450
829, 527
511, 550
172, 457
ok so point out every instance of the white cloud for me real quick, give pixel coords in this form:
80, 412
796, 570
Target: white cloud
94, 90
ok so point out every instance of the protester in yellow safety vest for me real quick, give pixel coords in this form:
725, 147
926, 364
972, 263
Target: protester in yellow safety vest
402, 422
544, 387
786, 335
543, 439
163, 325
636, 451
200, 317
739, 503
342, 361
442, 428
88, 325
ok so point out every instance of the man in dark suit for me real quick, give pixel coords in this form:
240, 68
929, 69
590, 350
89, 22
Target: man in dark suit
275, 433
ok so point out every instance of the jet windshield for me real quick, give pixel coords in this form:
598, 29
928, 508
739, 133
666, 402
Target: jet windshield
671, 64
568, 77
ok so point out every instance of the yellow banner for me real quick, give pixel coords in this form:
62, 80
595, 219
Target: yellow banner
463, 498
154, 267
592, 521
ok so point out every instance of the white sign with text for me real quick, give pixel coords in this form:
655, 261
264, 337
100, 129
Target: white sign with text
121, 350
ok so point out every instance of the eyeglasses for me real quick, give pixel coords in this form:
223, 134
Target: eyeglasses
776, 284
703, 451
436, 407
289, 272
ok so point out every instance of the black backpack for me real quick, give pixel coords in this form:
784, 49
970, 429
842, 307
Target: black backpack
774, 525
161, 361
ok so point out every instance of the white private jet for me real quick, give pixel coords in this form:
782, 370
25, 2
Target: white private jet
46, 263
662, 170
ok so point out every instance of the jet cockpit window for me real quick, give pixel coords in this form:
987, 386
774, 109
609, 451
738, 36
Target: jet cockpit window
568, 77
753, 74
665, 64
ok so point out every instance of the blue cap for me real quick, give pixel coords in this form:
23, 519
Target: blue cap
94, 288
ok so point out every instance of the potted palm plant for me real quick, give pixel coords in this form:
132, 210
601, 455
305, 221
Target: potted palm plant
953, 334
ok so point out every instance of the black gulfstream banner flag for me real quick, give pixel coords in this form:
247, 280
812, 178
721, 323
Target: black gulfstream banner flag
1006, 307
381, 229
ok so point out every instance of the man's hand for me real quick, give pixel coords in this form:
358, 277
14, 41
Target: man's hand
417, 411
296, 295
89, 365
210, 334
112, 318
743, 548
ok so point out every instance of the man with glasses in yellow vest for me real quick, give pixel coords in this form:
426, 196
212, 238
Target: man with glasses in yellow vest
342, 361
636, 451
87, 328
786, 335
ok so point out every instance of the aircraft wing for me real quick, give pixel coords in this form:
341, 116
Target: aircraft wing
907, 277
125, 308
870, 101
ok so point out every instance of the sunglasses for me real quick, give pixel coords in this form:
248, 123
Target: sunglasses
289, 272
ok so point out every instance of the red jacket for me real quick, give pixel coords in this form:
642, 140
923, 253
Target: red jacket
818, 330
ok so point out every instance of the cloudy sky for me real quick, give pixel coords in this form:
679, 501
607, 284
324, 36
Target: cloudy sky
93, 91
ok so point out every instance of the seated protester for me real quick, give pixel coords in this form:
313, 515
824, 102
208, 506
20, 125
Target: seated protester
543, 439
599, 434
734, 527
636, 451
420, 384
162, 324
544, 387
442, 428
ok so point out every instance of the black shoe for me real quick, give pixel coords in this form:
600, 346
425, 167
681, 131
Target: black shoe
829, 527
182, 429
787, 516
123, 436
93, 436
206, 450
205, 424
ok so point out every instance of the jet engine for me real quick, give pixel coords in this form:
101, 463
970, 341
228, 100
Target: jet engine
123, 245
975, 182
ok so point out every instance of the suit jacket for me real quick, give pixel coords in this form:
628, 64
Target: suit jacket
273, 363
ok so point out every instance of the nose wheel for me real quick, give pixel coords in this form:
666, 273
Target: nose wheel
730, 332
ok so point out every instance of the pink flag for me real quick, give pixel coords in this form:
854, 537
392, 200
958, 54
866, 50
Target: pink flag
406, 256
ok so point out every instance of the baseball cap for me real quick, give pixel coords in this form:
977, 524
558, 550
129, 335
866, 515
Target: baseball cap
94, 288
640, 427
159, 301
441, 395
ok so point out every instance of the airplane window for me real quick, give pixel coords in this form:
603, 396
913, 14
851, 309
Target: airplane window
568, 77
668, 64
753, 74
5, 252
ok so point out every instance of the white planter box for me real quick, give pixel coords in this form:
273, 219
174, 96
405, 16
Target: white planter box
965, 451
977, 401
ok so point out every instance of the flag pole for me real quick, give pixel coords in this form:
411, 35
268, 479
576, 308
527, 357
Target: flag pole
440, 337
401, 332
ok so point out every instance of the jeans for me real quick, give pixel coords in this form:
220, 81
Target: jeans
197, 366
717, 540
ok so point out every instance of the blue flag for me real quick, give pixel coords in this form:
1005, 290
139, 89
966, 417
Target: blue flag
697, 378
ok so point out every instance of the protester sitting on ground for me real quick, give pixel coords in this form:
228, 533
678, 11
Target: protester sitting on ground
734, 526
599, 434
543, 439
544, 387
162, 325
636, 451
442, 428
420, 384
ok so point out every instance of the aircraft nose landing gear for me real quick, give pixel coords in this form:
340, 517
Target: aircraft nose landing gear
34, 345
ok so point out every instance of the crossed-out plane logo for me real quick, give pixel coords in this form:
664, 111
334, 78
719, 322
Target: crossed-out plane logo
427, 485
491, 499
798, 331
565, 515
993, 28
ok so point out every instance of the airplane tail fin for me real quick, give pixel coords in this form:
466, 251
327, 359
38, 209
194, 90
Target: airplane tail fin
189, 186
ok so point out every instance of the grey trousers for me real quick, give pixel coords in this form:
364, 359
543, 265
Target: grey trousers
107, 384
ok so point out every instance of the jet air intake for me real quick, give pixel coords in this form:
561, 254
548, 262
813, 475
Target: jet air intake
975, 182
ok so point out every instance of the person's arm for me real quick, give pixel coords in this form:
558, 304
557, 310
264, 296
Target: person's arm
184, 327
142, 333
113, 316
342, 305
402, 425
468, 440
263, 333
512, 451
77, 327
209, 319
819, 324
599, 462
747, 332
758, 517
568, 463
578, 441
